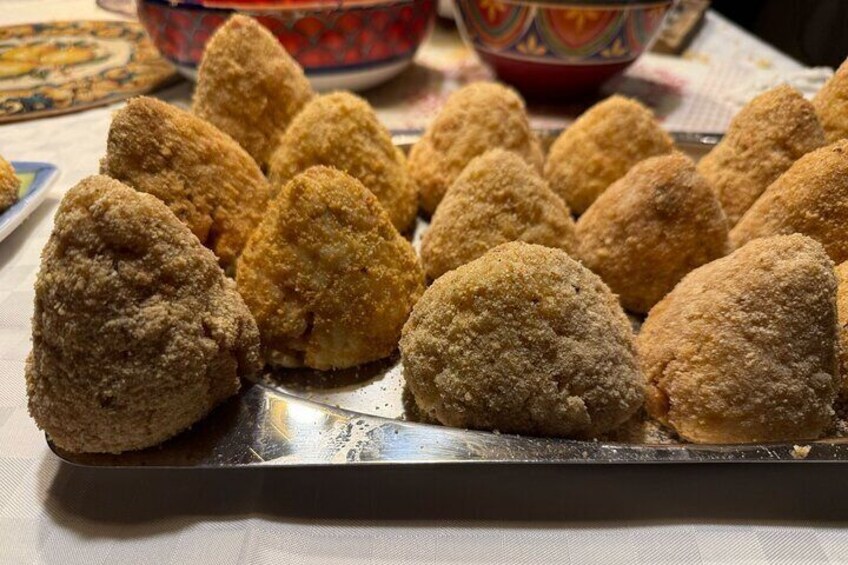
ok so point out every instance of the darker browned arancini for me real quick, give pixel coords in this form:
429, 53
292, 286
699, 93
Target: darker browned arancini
745, 348
522, 340
810, 198
475, 118
203, 176
328, 278
9, 185
831, 105
769, 134
137, 334
498, 198
342, 131
650, 228
602, 145
249, 87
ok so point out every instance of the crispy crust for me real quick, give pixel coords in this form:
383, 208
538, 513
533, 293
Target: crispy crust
9, 185
650, 228
328, 278
769, 134
810, 198
203, 176
745, 348
249, 87
842, 308
524, 340
340, 130
474, 119
498, 198
136, 334
600, 147
831, 105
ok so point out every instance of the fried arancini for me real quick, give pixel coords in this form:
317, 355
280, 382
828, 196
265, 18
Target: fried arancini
498, 198
522, 340
769, 134
810, 198
203, 176
474, 119
650, 228
842, 308
137, 334
745, 349
328, 278
602, 145
831, 105
249, 87
340, 130
9, 185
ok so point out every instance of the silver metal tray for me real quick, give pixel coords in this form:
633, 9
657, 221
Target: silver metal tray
359, 417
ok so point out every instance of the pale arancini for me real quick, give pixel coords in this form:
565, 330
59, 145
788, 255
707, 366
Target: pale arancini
522, 340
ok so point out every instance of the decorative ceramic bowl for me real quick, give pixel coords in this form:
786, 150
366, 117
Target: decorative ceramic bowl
559, 48
341, 44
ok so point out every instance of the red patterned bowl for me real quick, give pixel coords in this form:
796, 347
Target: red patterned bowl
559, 48
341, 44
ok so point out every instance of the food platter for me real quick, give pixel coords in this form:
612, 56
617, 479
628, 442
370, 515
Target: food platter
296, 418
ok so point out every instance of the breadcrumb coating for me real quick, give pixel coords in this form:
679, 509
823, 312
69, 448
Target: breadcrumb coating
498, 198
831, 105
810, 198
136, 334
474, 119
9, 185
342, 131
771, 132
600, 147
745, 349
842, 309
249, 87
522, 340
328, 278
203, 176
650, 228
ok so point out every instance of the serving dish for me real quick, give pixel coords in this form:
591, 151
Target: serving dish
341, 44
36, 179
360, 416
560, 48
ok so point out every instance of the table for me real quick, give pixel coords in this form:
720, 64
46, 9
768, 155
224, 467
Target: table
51, 512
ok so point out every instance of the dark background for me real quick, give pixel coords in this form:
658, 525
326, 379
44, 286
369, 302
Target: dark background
814, 32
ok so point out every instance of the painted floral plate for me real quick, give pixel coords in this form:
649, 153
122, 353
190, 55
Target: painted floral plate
36, 179
59, 67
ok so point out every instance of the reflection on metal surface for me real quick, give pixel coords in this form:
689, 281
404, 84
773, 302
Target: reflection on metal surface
264, 427
353, 417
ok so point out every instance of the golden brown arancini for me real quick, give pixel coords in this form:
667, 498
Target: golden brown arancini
137, 334
769, 134
342, 131
522, 340
498, 198
650, 228
602, 145
203, 176
474, 119
328, 278
745, 349
9, 185
249, 87
831, 105
810, 198
842, 309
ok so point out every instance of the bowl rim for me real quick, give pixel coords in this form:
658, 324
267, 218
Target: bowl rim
269, 6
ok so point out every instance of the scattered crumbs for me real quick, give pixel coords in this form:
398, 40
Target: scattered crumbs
763, 63
696, 57
585, 454
800, 451
496, 432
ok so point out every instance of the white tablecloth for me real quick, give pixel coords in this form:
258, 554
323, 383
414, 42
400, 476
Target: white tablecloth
51, 512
